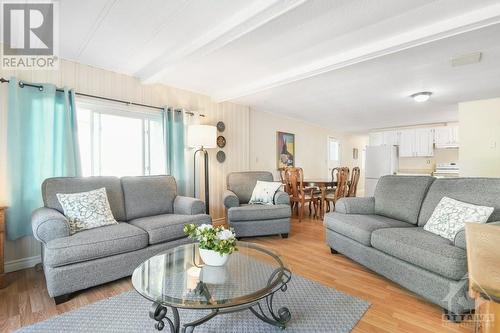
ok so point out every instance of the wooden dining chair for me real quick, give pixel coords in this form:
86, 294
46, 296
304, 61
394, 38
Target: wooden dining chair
335, 172
299, 195
330, 192
354, 182
282, 172
341, 188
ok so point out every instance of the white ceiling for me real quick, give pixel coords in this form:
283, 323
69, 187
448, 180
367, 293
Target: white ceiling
346, 64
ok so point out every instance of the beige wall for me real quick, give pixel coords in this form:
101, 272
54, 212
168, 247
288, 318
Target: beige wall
427, 164
310, 145
90, 80
480, 138
250, 135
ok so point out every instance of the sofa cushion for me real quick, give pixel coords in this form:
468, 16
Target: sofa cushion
52, 186
477, 191
94, 243
423, 249
360, 227
258, 212
243, 183
167, 227
400, 197
148, 195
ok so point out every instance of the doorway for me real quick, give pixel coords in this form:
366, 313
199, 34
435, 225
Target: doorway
333, 155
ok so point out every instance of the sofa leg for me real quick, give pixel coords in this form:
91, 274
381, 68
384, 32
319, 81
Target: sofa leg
284, 235
333, 251
62, 298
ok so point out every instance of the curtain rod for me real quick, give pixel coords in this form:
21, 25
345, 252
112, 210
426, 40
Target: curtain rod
24, 84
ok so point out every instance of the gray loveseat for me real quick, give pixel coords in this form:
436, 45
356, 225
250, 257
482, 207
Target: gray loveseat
385, 233
151, 218
255, 220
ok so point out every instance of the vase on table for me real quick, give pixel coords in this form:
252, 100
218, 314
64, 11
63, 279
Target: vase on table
213, 258
214, 274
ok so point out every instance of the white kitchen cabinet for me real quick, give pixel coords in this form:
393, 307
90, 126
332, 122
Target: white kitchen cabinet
406, 143
455, 139
446, 137
376, 139
389, 138
416, 142
424, 139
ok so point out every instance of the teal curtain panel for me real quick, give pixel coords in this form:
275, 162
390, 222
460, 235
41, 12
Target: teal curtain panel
173, 136
42, 142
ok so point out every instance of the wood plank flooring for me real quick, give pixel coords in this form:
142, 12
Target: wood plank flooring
393, 309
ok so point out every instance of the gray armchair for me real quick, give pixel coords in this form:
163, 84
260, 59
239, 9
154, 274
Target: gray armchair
255, 220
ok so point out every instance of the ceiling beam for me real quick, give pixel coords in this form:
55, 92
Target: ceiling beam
250, 18
470, 21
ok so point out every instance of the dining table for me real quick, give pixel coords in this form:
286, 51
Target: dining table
322, 184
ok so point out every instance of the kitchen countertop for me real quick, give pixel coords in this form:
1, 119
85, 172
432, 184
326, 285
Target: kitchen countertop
414, 172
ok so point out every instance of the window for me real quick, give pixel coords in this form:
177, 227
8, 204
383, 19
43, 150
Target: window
119, 140
333, 149
333, 154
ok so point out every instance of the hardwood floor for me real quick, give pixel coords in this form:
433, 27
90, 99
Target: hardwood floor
393, 309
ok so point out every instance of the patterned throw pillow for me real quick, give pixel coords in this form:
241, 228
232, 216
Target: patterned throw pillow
263, 192
450, 216
86, 210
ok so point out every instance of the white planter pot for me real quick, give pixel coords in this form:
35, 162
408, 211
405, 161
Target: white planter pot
214, 274
213, 258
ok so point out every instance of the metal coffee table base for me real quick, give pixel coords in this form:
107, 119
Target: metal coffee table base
278, 318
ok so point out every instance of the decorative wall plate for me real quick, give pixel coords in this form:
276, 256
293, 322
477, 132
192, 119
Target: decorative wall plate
221, 141
221, 156
221, 126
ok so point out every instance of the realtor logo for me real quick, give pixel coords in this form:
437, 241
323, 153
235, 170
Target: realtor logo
29, 35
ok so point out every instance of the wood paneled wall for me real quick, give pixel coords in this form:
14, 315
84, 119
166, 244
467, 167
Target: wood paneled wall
91, 80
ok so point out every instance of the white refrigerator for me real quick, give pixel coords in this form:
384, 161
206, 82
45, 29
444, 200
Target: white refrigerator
380, 161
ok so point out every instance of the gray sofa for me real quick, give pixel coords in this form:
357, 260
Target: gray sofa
255, 220
151, 218
385, 233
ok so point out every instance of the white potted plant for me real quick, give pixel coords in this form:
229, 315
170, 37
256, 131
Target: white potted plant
215, 243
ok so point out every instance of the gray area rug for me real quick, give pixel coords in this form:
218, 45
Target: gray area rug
314, 308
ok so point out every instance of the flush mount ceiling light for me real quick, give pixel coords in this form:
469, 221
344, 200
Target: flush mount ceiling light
421, 96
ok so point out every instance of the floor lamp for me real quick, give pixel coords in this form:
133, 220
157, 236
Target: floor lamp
202, 137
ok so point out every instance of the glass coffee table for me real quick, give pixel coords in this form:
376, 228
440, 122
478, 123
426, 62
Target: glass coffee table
178, 279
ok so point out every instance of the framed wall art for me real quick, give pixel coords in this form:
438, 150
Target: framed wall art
285, 149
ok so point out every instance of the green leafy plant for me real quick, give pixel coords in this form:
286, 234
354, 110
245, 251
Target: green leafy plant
213, 238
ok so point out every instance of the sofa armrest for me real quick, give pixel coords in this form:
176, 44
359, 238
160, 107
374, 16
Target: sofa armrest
230, 199
281, 198
49, 224
460, 240
188, 206
355, 205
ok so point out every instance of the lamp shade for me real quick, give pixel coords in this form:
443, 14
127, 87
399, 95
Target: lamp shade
202, 136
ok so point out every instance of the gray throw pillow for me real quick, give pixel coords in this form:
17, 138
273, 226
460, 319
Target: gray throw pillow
86, 210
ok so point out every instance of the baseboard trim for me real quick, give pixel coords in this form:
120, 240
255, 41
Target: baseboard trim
23, 263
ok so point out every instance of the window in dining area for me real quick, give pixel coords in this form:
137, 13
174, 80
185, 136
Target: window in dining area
333, 154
